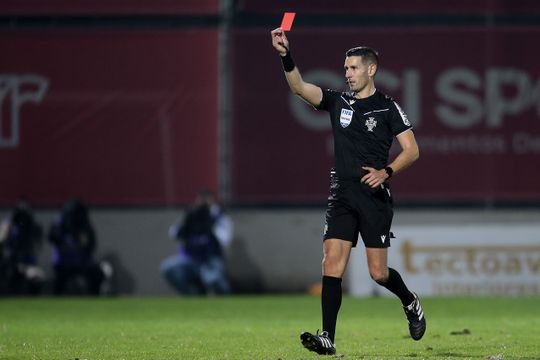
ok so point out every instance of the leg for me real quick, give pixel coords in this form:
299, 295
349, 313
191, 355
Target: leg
178, 273
340, 234
15, 279
213, 276
390, 279
377, 259
94, 277
336, 257
61, 276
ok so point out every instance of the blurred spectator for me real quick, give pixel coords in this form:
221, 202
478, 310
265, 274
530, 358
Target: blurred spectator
20, 239
199, 267
74, 241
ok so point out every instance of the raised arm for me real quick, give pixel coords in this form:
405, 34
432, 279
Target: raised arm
312, 94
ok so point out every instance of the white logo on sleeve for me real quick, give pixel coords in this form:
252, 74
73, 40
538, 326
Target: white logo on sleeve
345, 118
383, 238
403, 115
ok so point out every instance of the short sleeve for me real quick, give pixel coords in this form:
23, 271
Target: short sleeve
399, 121
328, 98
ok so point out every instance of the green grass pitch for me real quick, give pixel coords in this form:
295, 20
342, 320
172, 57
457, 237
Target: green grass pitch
264, 327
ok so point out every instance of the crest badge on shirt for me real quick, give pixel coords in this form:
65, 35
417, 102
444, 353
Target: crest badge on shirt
371, 123
345, 117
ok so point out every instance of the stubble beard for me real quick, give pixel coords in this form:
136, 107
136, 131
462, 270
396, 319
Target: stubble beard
358, 89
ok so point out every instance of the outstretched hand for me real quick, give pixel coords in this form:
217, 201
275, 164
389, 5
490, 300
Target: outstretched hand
279, 41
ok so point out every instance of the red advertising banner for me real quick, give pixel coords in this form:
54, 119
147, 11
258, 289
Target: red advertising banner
394, 7
116, 117
473, 96
109, 7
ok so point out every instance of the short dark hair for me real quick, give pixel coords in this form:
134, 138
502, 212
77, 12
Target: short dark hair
368, 54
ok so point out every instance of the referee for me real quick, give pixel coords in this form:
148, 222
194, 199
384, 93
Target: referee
364, 124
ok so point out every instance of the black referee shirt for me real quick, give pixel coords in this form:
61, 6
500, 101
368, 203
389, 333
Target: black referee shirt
363, 130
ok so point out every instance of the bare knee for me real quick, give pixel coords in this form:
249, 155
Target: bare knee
332, 266
380, 276
377, 264
336, 256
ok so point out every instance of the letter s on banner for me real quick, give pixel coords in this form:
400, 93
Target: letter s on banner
449, 89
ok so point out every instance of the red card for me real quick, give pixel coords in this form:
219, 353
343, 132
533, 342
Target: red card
287, 21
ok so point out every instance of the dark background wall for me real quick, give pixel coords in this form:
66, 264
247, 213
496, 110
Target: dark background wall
134, 106
142, 103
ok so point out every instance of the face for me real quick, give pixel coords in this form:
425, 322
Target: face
204, 199
357, 74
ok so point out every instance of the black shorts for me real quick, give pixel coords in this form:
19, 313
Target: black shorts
356, 208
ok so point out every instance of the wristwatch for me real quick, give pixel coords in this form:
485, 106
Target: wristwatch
389, 171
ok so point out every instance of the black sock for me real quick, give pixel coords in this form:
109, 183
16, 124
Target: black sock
396, 285
330, 303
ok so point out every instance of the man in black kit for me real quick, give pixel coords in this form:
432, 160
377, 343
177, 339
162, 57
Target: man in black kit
364, 123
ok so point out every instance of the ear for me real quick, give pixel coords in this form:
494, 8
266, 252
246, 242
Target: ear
372, 69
